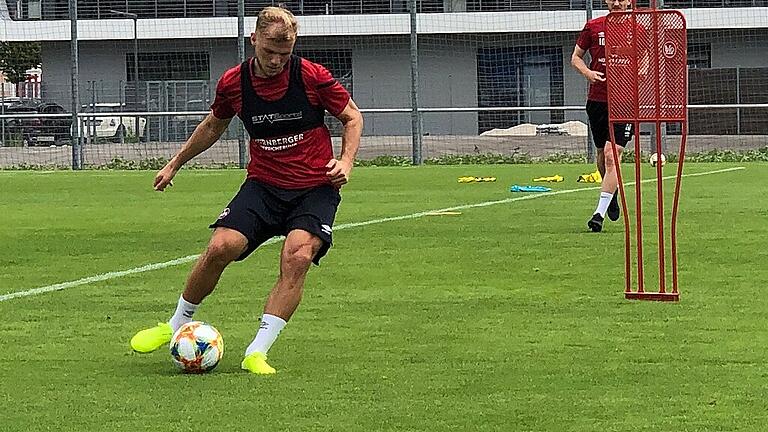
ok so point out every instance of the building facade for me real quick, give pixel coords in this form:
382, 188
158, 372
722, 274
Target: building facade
471, 53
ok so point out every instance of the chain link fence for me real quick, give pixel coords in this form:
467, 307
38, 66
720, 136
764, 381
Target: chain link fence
127, 82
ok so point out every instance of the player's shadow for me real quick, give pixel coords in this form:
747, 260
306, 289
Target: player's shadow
160, 364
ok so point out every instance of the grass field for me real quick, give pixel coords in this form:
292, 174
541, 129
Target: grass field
508, 317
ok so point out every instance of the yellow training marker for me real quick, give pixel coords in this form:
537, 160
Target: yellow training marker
551, 179
473, 179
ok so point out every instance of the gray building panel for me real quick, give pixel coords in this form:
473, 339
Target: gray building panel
56, 66
448, 78
739, 52
383, 82
380, 70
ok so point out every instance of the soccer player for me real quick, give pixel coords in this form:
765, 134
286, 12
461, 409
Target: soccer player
592, 39
293, 181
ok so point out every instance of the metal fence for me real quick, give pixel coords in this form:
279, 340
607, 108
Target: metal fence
130, 95
103, 9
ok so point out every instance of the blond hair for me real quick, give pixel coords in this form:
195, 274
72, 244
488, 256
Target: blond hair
287, 26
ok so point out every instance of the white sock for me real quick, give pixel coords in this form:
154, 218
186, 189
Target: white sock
270, 327
605, 201
183, 314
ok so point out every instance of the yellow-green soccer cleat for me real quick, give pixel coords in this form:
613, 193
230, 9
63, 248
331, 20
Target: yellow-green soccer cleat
151, 339
257, 363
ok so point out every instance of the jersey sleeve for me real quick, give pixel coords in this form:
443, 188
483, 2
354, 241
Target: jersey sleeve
585, 38
223, 106
330, 93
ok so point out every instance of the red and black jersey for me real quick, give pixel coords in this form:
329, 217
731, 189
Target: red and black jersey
592, 39
290, 145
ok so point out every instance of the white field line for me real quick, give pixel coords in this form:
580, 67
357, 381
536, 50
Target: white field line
189, 258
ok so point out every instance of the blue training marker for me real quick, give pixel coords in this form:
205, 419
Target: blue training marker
518, 188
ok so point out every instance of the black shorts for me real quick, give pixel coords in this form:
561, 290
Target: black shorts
598, 123
260, 212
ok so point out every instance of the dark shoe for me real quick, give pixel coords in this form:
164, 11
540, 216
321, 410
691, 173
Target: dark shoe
596, 223
613, 208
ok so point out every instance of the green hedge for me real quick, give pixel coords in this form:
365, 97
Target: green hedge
153, 164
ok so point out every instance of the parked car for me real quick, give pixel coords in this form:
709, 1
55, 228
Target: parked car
105, 126
38, 131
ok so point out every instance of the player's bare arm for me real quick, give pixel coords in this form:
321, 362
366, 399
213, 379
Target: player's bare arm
578, 63
352, 119
204, 136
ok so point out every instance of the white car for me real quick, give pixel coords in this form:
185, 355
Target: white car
105, 126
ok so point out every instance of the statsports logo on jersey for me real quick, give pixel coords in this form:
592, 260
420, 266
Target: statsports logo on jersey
276, 117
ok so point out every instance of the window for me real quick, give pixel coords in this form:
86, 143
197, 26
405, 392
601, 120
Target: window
712, 87
338, 62
519, 77
34, 11
14, 9
524, 5
699, 56
170, 66
753, 89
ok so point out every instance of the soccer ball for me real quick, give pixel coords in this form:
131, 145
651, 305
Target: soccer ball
655, 159
196, 347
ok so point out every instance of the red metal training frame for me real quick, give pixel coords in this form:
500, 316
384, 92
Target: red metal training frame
646, 71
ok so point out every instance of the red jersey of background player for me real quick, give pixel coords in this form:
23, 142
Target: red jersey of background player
297, 166
592, 39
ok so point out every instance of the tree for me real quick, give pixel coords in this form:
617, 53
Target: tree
17, 57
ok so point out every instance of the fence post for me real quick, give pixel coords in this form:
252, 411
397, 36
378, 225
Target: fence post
136, 123
415, 116
738, 100
77, 150
242, 149
2, 111
660, 5
590, 147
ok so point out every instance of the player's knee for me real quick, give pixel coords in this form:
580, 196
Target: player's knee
223, 250
610, 161
298, 256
